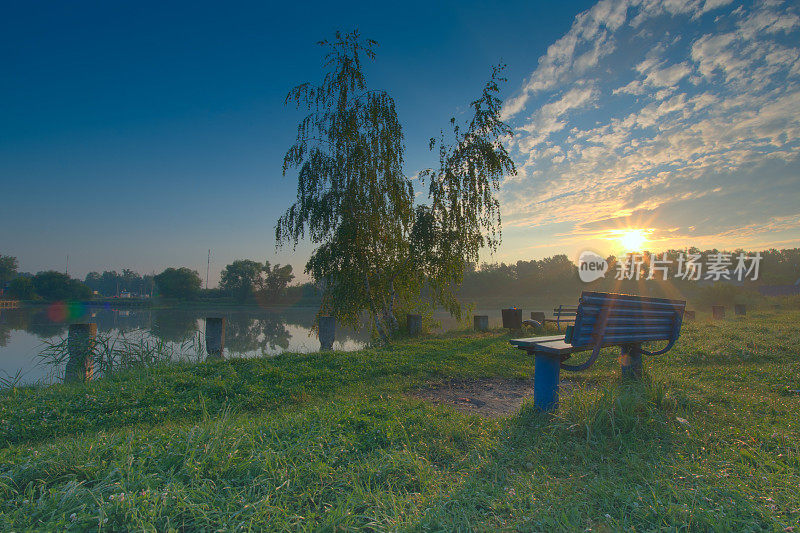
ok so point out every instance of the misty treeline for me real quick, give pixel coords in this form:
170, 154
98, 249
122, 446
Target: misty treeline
248, 281
112, 283
558, 275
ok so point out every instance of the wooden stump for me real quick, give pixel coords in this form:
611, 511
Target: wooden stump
740, 309
327, 332
414, 324
80, 346
215, 337
512, 318
718, 312
481, 322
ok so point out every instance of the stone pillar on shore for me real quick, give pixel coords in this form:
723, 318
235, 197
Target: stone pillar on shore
327, 332
718, 312
740, 309
480, 322
215, 337
512, 318
80, 346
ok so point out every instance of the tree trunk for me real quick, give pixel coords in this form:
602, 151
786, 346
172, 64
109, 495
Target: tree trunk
378, 326
395, 325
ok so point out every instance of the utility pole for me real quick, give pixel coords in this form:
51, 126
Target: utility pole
66, 268
208, 267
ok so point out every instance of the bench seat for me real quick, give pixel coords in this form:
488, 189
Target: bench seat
554, 344
602, 320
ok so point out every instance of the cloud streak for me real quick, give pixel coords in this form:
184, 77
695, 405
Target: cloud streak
687, 111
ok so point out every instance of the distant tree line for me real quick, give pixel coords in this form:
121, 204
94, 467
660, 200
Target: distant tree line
49, 285
559, 275
112, 283
245, 280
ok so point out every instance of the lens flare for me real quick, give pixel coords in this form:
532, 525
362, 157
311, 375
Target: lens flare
65, 311
57, 312
632, 240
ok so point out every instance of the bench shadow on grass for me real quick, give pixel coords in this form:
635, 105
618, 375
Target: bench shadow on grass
605, 460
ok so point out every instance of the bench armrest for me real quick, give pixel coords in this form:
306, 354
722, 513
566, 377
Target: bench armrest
677, 318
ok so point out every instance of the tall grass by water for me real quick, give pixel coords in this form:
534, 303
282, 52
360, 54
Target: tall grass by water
123, 351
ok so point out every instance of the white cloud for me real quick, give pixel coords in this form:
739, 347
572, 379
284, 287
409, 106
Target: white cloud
623, 117
668, 76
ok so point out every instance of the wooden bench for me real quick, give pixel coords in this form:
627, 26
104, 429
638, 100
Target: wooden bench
602, 319
563, 315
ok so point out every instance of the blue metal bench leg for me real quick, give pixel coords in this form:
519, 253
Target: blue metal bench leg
630, 361
546, 378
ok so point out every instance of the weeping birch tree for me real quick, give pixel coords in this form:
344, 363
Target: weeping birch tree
376, 251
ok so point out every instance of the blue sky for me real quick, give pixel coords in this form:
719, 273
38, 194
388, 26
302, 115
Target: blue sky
138, 135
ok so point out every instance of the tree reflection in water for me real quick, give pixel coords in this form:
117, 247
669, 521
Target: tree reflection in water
245, 333
249, 331
174, 325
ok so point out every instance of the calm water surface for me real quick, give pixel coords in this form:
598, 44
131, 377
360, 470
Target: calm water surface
250, 332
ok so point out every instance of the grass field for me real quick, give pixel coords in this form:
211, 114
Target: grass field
710, 440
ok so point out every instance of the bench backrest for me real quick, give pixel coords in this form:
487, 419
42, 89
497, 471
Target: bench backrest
565, 311
618, 319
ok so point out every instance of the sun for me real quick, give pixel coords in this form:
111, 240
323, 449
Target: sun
632, 240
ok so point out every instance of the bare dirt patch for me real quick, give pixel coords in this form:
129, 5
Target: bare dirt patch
489, 397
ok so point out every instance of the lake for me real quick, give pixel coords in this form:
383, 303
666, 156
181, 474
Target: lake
250, 332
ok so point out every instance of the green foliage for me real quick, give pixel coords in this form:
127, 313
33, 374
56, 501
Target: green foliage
352, 195
112, 283
52, 285
274, 283
8, 269
781, 267
375, 251
240, 277
332, 440
21, 288
183, 283
245, 278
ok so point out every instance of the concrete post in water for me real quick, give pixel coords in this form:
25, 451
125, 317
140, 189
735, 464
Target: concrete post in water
414, 324
215, 337
481, 322
740, 309
327, 332
630, 360
718, 312
80, 346
689, 315
512, 318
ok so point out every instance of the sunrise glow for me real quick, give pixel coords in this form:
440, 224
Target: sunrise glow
632, 240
